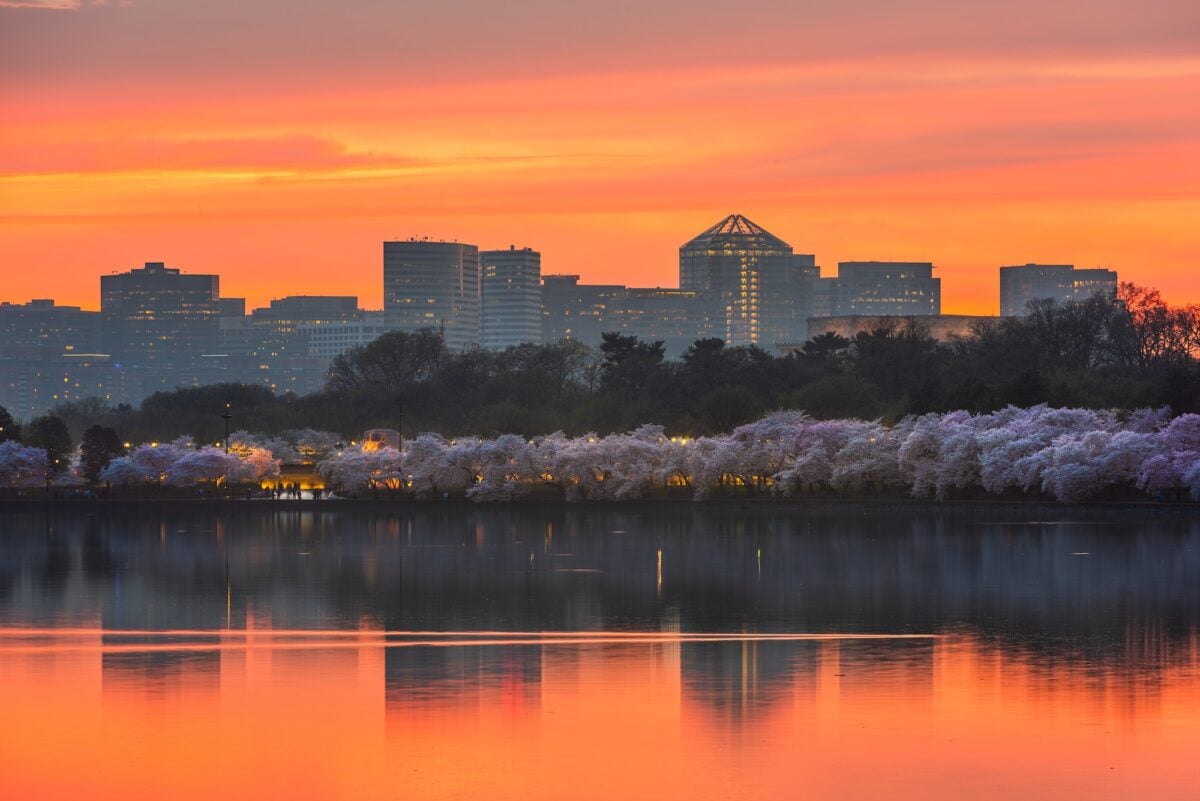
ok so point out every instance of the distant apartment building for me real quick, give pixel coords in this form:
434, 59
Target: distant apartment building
510, 297
1019, 285
159, 318
432, 285
763, 290
879, 288
327, 340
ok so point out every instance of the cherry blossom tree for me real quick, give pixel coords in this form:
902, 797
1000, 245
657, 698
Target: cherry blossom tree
21, 465
123, 470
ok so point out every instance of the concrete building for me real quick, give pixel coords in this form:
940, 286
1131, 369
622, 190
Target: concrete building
160, 318
763, 290
510, 297
432, 285
1061, 282
881, 288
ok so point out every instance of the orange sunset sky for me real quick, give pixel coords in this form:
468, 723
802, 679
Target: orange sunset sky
278, 142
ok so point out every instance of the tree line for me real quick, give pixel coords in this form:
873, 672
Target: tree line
1095, 354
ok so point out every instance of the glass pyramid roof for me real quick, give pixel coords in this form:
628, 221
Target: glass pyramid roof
736, 228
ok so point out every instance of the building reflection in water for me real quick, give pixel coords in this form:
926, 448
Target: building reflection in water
348, 715
249, 658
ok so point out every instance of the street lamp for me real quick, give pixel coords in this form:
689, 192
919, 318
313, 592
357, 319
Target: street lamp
400, 420
227, 417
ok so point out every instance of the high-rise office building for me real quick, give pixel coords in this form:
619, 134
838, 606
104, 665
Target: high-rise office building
432, 285
510, 297
1061, 282
879, 288
763, 290
158, 317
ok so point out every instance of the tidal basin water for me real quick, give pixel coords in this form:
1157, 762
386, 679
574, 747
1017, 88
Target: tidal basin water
525, 653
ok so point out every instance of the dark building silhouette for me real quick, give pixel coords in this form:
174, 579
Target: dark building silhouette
676, 317
1019, 285
44, 324
231, 307
879, 288
510, 297
432, 285
160, 318
571, 310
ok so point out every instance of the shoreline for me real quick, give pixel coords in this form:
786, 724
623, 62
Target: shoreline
1047, 510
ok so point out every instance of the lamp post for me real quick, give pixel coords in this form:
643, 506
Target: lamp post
227, 417
400, 420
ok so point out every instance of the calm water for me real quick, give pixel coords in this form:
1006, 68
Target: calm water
525, 654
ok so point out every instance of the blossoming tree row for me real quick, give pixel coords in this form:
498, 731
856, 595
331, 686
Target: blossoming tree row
1069, 454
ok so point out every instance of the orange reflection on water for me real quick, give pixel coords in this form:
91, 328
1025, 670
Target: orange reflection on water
243, 715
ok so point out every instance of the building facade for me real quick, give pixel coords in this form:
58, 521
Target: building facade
327, 340
571, 310
1020, 285
764, 292
160, 318
675, 317
44, 324
510, 297
751, 275
432, 285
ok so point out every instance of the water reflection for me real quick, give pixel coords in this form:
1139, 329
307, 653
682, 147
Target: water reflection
526, 654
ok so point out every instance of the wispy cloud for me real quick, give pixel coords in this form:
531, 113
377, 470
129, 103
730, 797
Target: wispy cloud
61, 5
50, 5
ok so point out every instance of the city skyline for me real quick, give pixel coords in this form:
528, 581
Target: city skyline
969, 137
374, 299
160, 327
